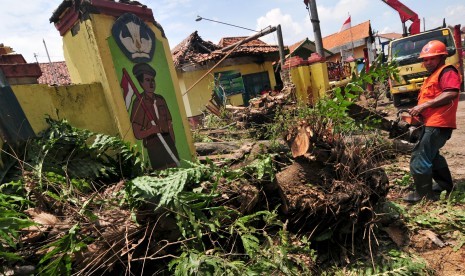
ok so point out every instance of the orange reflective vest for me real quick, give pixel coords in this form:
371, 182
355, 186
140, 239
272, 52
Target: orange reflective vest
442, 116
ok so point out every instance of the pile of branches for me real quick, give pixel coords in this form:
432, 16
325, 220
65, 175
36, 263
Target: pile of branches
81, 203
261, 109
334, 182
84, 203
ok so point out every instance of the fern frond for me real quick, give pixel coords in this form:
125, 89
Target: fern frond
165, 189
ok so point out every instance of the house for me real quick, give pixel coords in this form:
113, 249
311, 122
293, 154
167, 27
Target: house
382, 42
351, 42
304, 49
236, 74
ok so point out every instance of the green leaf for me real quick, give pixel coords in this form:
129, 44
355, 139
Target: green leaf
251, 244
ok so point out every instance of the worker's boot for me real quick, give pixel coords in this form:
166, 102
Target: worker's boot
423, 188
443, 180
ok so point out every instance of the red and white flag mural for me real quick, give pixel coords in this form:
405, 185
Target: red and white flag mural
346, 25
129, 89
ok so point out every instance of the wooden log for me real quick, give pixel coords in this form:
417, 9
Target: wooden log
216, 147
358, 112
235, 108
213, 110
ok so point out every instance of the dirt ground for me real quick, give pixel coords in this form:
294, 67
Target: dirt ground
443, 260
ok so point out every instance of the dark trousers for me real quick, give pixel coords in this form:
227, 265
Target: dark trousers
425, 156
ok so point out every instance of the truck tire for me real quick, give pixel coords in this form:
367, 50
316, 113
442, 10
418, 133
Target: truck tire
396, 99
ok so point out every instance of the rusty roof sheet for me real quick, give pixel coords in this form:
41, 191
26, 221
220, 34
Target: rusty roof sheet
194, 49
55, 73
360, 31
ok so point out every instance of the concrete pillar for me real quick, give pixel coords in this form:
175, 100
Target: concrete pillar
320, 79
109, 42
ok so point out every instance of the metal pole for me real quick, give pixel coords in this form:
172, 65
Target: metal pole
281, 45
52, 68
458, 44
255, 36
313, 12
203, 18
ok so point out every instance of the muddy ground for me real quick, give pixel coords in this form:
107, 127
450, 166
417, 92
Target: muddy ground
443, 260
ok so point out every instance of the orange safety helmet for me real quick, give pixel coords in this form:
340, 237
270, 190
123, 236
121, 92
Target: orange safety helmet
433, 48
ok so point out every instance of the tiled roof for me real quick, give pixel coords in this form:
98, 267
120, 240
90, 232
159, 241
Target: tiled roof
192, 49
390, 36
195, 50
305, 42
55, 73
296, 45
226, 41
355, 33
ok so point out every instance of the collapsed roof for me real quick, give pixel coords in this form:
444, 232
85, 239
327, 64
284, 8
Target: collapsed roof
195, 51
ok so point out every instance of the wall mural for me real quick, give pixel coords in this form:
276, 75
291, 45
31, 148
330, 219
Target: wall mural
147, 89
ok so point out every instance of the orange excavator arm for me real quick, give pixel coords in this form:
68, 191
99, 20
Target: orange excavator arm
406, 14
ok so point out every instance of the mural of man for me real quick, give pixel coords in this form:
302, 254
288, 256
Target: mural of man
151, 121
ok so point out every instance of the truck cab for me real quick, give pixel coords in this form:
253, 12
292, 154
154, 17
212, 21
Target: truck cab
405, 52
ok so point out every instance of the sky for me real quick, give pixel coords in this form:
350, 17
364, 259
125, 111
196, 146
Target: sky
25, 24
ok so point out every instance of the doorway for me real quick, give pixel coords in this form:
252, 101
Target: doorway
254, 84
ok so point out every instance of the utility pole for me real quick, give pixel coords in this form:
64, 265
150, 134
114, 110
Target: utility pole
280, 44
313, 12
52, 68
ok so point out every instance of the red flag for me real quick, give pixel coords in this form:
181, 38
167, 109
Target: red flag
128, 88
346, 25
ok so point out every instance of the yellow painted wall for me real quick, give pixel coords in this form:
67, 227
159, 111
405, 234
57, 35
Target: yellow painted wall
236, 100
197, 97
311, 82
89, 59
301, 78
320, 79
84, 106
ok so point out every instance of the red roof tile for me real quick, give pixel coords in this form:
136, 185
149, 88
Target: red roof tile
55, 73
355, 33
226, 41
390, 36
192, 49
296, 45
195, 50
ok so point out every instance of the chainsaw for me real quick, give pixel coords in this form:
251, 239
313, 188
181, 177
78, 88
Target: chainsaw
406, 127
